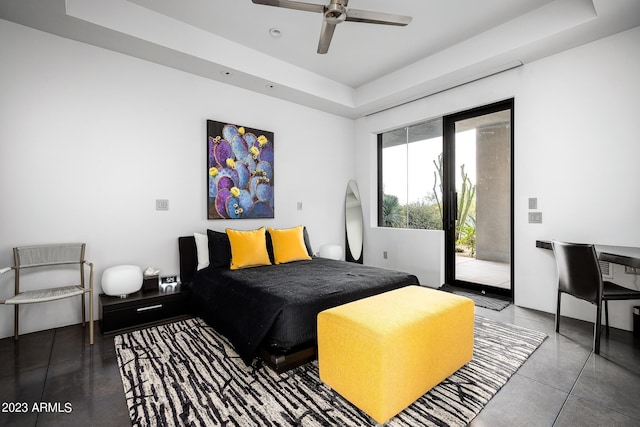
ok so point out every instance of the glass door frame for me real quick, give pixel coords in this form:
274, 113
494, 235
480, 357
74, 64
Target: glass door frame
449, 195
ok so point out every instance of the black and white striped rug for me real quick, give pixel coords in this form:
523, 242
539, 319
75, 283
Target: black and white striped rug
185, 374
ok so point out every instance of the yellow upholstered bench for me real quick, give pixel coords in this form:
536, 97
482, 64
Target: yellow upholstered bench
383, 352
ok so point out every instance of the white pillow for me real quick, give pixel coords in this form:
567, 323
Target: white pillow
202, 247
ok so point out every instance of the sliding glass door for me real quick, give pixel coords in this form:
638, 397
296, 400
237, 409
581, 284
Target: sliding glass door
478, 183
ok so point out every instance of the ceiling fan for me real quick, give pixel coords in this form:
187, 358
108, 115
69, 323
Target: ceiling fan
335, 13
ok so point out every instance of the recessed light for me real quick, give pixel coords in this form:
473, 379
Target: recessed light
275, 32
226, 73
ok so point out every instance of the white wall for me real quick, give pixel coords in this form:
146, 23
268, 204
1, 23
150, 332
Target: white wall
89, 139
576, 150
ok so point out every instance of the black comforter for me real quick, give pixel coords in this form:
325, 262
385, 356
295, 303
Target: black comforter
277, 305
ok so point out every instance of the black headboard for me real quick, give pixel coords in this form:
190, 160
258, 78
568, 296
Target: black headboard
188, 258
189, 254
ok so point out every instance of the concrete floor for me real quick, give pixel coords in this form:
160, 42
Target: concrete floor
562, 384
496, 274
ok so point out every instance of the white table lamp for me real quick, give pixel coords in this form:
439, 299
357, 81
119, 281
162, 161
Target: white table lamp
122, 280
331, 252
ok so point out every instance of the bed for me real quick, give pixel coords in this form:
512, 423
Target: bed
270, 311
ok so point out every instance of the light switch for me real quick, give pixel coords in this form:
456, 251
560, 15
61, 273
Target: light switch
533, 203
162, 204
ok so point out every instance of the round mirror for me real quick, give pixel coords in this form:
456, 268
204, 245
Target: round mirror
353, 223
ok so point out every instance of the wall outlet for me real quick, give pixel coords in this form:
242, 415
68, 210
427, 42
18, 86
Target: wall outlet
535, 217
385, 255
299, 206
162, 204
631, 270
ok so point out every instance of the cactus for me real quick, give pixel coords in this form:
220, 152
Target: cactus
438, 174
264, 192
243, 175
224, 182
466, 200
252, 140
221, 202
229, 131
245, 200
267, 170
466, 196
239, 146
261, 210
266, 154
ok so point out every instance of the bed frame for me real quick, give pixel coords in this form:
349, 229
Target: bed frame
279, 362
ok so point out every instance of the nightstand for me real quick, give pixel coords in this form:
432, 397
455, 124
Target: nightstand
142, 309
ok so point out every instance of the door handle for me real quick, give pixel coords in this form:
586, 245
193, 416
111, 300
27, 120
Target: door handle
453, 209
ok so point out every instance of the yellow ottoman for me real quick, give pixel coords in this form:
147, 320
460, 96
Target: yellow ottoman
383, 352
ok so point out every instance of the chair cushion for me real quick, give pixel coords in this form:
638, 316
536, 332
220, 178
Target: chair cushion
42, 295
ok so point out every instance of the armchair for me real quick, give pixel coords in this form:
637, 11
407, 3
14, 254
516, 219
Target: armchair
48, 256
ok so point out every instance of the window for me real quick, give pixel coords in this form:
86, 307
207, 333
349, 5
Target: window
410, 176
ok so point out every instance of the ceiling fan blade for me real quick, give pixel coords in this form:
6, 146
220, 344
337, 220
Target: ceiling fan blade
371, 17
298, 5
326, 34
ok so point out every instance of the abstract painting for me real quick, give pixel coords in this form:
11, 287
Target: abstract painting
239, 172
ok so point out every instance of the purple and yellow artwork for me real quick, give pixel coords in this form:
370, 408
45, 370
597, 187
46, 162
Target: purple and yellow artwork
239, 172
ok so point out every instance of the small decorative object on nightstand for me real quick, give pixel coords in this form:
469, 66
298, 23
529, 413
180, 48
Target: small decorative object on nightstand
151, 277
169, 283
331, 251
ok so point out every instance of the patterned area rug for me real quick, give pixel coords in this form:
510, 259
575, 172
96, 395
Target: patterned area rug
490, 301
184, 373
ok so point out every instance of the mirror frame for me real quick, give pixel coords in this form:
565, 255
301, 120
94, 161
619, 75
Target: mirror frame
353, 224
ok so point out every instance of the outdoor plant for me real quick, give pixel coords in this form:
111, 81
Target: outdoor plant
428, 213
468, 235
437, 188
392, 212
466, 201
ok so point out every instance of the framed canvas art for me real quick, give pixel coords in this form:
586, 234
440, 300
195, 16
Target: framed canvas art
239, 172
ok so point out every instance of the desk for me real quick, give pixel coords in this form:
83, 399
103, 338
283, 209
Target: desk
623, 255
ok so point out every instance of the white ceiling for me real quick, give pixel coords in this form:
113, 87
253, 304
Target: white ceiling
368, 67
359, 52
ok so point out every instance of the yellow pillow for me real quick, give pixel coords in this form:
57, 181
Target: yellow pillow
288, 245
248, 248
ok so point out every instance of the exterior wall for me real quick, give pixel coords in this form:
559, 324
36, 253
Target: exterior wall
493, 193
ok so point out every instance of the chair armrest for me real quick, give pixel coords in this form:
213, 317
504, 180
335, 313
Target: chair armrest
4, 270
90, 264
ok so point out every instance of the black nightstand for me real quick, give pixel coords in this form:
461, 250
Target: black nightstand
142, 309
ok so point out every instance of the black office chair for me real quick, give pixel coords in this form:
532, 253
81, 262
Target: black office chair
579, 275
